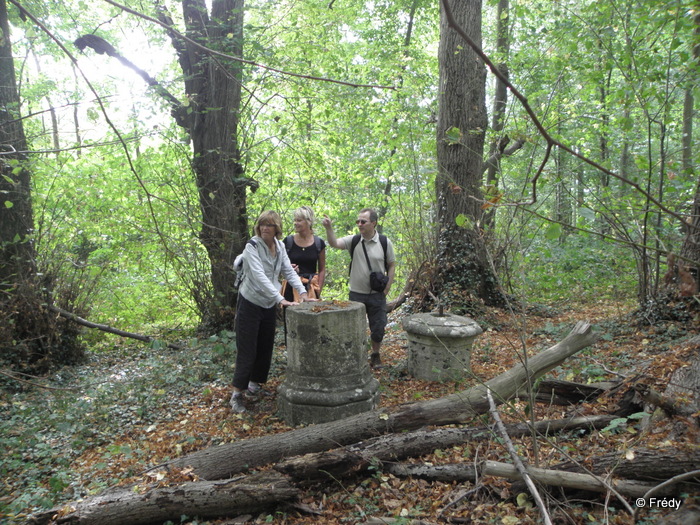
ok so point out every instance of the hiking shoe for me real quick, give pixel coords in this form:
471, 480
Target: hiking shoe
254, 394
237, 404
375, 361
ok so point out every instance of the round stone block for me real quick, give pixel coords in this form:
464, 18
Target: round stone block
439, 346
327, 376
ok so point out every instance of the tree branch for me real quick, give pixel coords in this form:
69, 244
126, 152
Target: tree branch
84, 322
239, 59
517, 461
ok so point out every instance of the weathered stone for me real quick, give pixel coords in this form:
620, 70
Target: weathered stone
439, 346
328, 377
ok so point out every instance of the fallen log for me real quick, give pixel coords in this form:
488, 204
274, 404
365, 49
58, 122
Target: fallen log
559, 392
204, 499
643, 464
243, 495
570, 480
342, 462
224, 461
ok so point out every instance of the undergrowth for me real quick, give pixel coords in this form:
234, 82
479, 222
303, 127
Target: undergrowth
43, 430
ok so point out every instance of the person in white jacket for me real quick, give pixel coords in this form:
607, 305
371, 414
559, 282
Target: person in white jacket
260, 265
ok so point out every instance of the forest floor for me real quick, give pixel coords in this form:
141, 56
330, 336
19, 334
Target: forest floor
131, 407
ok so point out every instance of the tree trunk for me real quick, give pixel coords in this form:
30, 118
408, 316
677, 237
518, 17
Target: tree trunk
572, 480
213, 87
464, 270
30, 337
691, 246
644, 464
500, 102
210, 117
17, 255
224, 461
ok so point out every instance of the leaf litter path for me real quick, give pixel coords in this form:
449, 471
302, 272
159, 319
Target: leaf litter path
200, 418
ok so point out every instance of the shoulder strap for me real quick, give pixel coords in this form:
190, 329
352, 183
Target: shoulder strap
289, 242
353, 245
356, 239
364, 249
317, 242
383, 242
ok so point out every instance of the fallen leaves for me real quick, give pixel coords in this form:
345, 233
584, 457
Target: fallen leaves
198, 418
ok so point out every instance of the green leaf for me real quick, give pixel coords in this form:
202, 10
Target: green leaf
9, 204
453, 135
463, 221
587, 213
553, 232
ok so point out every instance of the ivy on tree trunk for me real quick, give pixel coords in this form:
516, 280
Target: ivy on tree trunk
464, 272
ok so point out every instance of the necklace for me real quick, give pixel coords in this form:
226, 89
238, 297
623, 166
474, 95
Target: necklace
302, 239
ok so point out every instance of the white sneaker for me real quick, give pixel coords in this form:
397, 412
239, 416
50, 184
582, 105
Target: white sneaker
237, 403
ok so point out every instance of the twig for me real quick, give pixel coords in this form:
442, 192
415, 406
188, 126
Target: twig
37, 385
516, 459
672, 481
72, 317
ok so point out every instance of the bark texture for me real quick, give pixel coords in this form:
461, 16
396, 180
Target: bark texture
159, 504
464, 274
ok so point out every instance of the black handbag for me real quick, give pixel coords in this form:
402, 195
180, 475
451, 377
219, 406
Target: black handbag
377, 280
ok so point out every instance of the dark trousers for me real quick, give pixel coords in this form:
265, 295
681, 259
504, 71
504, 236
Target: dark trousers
375, 306
255, 339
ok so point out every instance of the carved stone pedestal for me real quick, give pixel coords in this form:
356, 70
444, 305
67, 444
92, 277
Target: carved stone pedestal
439, 346
328, 377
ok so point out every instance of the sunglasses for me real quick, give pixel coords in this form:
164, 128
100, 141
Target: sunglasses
361, 221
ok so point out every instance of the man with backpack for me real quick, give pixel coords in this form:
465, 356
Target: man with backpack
372, 267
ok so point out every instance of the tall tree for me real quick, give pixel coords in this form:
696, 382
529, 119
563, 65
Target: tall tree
691, 246
211, 117
213, 88
29, 334
464, 270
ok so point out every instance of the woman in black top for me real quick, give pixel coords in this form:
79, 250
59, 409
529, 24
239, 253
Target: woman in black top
307, 253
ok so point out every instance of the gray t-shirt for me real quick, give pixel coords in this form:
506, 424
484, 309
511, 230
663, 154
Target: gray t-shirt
359, 274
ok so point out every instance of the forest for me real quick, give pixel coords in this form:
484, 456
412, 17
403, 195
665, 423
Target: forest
534, 163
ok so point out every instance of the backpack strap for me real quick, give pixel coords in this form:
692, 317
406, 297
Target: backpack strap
353, 245
239, 270
383, 242
289, 242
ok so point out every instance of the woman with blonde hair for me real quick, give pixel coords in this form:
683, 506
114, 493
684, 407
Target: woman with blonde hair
307, 253
260, 265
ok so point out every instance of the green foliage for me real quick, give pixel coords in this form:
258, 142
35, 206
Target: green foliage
118, 223
43, 431
580, 267
620, 424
